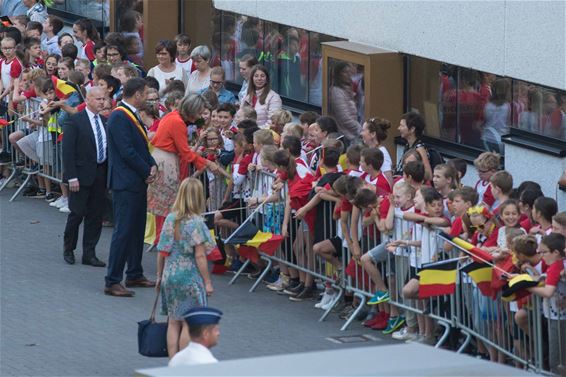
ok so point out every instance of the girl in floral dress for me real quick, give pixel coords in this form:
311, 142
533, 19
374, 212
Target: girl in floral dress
182, 268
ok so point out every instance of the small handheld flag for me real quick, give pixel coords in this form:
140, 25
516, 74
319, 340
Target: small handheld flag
439, 278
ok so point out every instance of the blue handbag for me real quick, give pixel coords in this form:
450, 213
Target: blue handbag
152, 336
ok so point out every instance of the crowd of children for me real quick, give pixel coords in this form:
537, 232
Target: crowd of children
330, 203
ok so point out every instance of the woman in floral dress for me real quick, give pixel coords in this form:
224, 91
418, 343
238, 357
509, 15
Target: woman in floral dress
182, 268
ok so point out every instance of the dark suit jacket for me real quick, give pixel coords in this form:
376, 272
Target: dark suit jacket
129, 160
79, 148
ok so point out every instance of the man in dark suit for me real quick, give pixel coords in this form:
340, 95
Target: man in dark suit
84, 159
130, 169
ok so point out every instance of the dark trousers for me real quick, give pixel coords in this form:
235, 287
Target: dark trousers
86, 204
130, 210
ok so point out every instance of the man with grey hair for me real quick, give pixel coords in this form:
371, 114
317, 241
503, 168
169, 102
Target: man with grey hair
85, 160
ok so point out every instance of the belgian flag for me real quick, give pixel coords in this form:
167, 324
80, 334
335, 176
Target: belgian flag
63, 89
250, 239
481, 274
516, 288
437, 279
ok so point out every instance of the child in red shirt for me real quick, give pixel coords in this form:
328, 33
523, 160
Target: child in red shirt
554, 295
487, 164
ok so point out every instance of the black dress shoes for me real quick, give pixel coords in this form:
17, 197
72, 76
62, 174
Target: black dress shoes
69, 257
94, 261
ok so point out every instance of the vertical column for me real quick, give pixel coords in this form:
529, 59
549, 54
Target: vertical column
160, 19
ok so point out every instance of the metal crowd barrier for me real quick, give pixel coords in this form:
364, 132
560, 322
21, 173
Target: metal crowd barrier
499, 329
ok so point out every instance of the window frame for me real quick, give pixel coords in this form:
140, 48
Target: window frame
527, 139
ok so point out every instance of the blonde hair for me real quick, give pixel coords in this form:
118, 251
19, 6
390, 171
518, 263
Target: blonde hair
488, 161
190, 199
294, 129
268, 153
281, 117
560, 218
264, 137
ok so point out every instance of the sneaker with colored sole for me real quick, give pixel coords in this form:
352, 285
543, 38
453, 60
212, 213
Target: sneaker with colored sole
394, 324
379, 297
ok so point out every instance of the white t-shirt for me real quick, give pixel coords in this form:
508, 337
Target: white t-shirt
194, 86
387, 162
194, 354
187, 65
402, 229
161, 77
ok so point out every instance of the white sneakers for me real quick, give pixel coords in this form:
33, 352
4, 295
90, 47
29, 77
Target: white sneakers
327, 299
405, 335
60, 202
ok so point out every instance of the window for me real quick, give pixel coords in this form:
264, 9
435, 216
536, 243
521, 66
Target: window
292, 55
475, 108
97, 10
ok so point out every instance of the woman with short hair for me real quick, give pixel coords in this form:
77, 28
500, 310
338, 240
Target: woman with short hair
173, 155
166, 70
200, 77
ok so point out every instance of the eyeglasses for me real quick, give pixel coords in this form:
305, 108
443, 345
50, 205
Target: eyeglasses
216, 82
7, 48
478, 227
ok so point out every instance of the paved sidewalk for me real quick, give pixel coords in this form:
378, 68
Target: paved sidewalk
56, 321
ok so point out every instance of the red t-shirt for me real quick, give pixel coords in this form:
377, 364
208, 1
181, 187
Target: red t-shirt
553, 272
245, 162
381, 183
457, 227
489, 242
88, 50
526, 224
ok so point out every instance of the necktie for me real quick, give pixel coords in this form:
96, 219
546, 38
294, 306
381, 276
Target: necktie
100, 156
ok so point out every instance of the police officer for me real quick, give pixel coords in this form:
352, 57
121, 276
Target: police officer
204, 331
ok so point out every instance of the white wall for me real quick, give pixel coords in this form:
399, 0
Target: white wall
520, 39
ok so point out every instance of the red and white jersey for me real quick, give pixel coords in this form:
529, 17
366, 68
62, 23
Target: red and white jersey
302, 168
381, 183
87, 51
9, 70
187, 65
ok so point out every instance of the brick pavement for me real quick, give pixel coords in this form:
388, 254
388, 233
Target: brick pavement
56, 321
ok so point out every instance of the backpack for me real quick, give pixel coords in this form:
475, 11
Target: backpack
434, 157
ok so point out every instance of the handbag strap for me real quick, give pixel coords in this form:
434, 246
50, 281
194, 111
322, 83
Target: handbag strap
152, 316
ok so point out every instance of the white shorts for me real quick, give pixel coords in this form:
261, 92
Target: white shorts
28, 145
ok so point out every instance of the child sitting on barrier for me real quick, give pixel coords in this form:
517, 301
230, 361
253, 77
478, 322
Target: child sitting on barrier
486, 164
299, 185
553, 293
44, 120
389, 219
524, 249
424, 248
